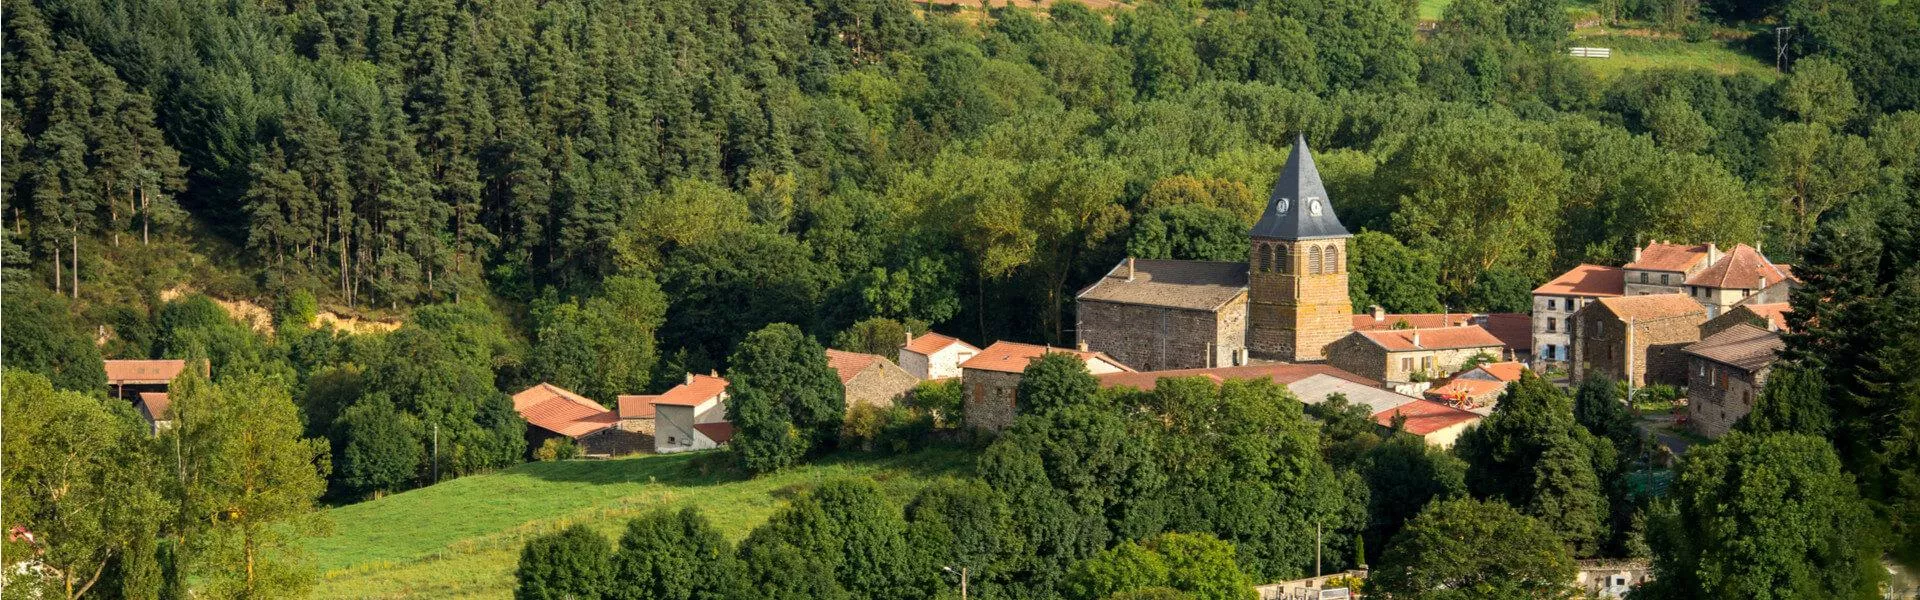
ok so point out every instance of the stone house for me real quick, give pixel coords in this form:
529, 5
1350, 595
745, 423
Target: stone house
1636, 338
870, 379
1514, 329
1728, 371
554, 412
1771, 317
1610, 578
1440, 425
1664, 267
935, 356
1287, 302
1743, 275
990, 381
636, 413
1403, 355
692, 416
1555, 302
1167, 314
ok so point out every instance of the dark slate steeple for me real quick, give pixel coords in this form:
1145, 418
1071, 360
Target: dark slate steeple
1298, 208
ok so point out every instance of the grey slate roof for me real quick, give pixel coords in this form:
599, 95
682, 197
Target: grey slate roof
1315, 389
1299, 208
1743, 346
1185, 284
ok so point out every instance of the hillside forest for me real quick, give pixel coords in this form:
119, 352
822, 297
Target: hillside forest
609, 194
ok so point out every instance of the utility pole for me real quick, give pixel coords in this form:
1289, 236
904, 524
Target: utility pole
436, 453
1780, 36
1316, 548
963, 579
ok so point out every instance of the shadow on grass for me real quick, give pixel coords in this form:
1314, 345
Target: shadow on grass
719, 467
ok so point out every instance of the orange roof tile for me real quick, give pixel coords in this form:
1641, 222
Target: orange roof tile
143, 372
1461, 388
547, 391
558, 410
693, 393
634, 406
931, 342
1012, 357
1398, 340
719, 432
157, 404
1678, 258
1367, 322
1505, 371
849, 364
1587, 280
1652, 306
1281, 373
1743, 268
1425, 416
1513, 329
1774, 313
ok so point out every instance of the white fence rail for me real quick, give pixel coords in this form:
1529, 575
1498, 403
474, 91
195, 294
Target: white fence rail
1591, 52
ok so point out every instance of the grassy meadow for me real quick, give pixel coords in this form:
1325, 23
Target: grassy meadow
462, 538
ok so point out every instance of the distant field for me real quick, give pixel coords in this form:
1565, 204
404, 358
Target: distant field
462, 538
1637, 53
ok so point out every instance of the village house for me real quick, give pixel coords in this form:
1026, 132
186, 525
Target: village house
153, 407
692, 416
1555, 302
636, 413
1610, 578
1440, 425
1636, 338
1287, 302
935, 356
1400, 356
1167, 314
1664, 267
1513, 329
1743, 275
990, 381
126, 379
1478, 389
1728, 371
1771, 317
870, 379
555, 412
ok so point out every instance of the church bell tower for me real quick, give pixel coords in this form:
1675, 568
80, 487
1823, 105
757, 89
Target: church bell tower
1297, 274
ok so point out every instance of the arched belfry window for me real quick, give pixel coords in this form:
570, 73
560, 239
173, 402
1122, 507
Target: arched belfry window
1333, 260
1313, 260
1280, 257
1265, 252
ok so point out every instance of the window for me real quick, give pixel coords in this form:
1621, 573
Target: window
1663, 279
1426, 364
1746, 397
1332, 260
1265, 253
1643, 278
1551, 304
1406, 365
1702, 365
1313, 260
1553, 325
1569, 305
1549, 352
1280, 258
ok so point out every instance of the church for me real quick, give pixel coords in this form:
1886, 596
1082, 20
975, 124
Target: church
1287, 302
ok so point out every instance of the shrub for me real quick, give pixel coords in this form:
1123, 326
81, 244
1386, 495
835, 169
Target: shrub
557, 448
940, 399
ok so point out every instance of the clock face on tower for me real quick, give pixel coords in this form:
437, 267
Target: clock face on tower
1281, 205
1313, 207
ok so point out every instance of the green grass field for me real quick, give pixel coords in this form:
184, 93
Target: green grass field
1636, 53
462, 538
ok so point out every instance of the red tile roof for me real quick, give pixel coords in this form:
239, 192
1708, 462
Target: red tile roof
1745, 346
931, 342
1012, 357
1775, 313
1678, 258
1281, 373
1743, 268
849, 364
1652, 306
1398, 340
1426, 416
1513, 329
157, 404
719, 432
143, 372
695, 392
1505, 371
555, 409
1587, 280
633, 406
1464, 389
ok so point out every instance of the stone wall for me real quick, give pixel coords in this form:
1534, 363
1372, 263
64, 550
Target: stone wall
990, 398
1357, 355
1601, 344
1151, 338
1642, 283
1293, 314
637, 425
1560, 310
1360, 356
1718, 395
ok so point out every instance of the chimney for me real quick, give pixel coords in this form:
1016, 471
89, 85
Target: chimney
1416, 338
909, 338
1713, 253
1636, 254
1129, 268
1081, 345
1379, 314
714, 373
1760, 283
689, 377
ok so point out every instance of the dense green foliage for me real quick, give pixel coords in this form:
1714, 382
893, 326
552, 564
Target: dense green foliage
1469, 549
784, 401
1200, 567
1531, 454
675, 556
570, 564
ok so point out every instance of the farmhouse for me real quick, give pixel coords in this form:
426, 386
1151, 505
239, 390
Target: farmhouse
1438, 424
555, 412
1399, 356
692, 416
1637, 338
153, 407
1663, 267
935, 356
870, 379
1743, 275
1555, 302
990, 381
1513, 329
1727, 372
1287, 302
126, 379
